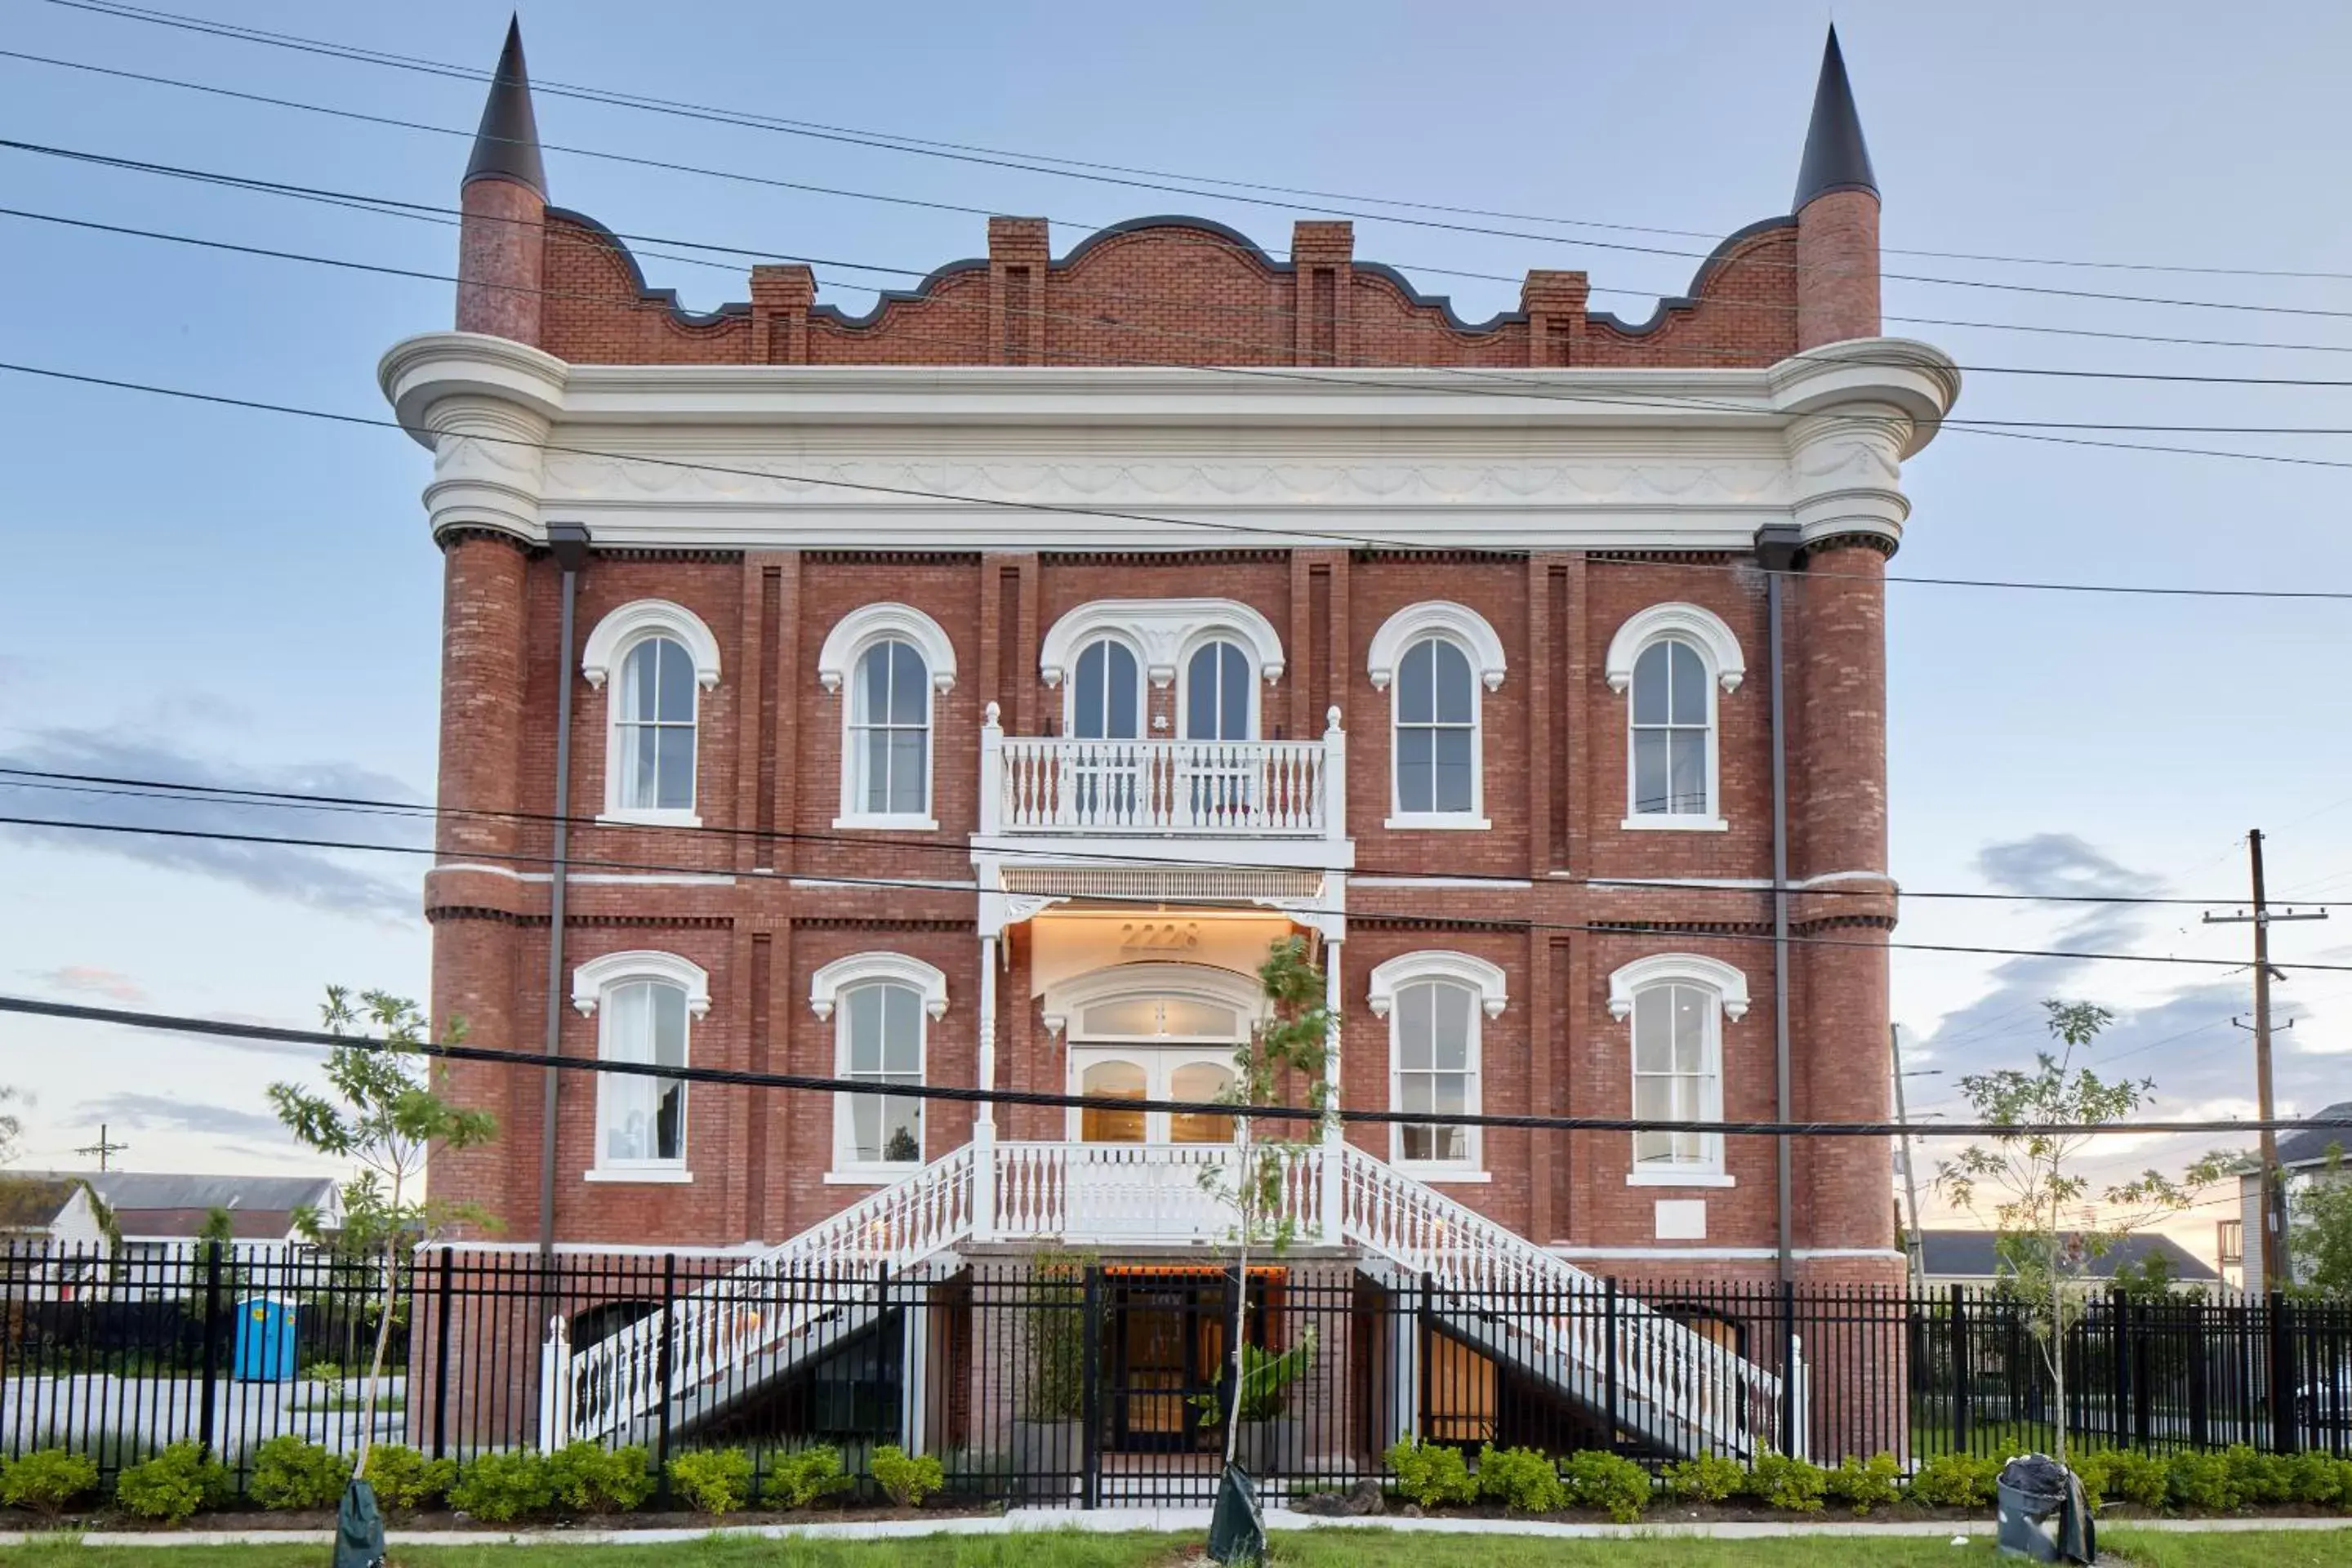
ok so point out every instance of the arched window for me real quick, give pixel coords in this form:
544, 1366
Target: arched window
881, 1004
1107, 692
890, 731
1437, 1004
643, 1003
1217, 693
894, 659
657, 657
1672, 659
1676, 1005
1426, 655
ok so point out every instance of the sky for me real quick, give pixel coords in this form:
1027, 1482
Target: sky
216, 594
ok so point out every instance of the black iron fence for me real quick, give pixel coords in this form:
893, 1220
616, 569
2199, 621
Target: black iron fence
1095, 1382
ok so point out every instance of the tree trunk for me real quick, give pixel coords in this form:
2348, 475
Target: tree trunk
2058, 1353
375, 1363
1246, 1191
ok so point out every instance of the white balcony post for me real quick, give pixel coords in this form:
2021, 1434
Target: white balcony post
984, 1122
991, 772
555, 1388
1334, 803
1335, 1135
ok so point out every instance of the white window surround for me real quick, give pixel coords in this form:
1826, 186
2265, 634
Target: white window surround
1730, 988
870, 624
591, 979
1162, 632
827, 984
621, 628
1470, 632
1193, 645
1718, 648
1186, 982
824, 994
610, 642
1485, 982
591, 982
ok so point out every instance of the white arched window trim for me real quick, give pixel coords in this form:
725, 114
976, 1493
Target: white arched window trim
1730, 988
1197, 981
1712, 639
593, 981
1470, 632
836, 666
1256, 688
825, 995
1485, 982
610, 642
1162, 632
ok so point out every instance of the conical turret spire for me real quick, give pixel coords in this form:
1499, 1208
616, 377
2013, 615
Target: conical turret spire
507, 145
1836, 157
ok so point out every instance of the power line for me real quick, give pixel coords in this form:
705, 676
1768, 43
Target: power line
1683, 930
1048, 163
805, 187
953, 1094
423, 811
1215, 525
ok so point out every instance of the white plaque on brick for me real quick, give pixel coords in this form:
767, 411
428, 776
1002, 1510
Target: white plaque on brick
1682, 1219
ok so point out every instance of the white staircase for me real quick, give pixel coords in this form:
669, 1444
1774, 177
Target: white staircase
1673, 1387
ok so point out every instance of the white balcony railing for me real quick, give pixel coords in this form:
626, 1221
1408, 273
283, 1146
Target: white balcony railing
1049, 785
1142, 1193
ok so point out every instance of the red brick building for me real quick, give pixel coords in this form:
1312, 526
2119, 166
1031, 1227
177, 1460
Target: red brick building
970, 692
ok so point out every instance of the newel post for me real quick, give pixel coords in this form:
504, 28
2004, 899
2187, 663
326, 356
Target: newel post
983, 1121
991, 771
1332, 1154
554, 1387
1335, 778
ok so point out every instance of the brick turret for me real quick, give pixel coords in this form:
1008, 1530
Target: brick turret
501, 241
1837, 217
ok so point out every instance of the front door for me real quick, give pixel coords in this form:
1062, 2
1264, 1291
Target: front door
1167, 1358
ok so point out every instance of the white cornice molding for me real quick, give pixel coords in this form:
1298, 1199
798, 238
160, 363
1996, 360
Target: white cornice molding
854, 632
865, 968
621, 628
1701, 626
1167, 630
1728, 984
1462, 968
1442, 617
591, 980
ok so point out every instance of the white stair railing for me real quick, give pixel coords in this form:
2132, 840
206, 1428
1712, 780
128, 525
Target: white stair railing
777, 1298
1140, 1192
1060, 785
1545, 1310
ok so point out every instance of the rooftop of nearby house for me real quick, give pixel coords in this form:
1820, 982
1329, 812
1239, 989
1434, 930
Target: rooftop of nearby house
2310, 1145
164, 1204
30, 1204
1972, 1254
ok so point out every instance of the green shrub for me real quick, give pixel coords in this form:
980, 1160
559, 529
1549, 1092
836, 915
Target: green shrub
1521, 1479
499, 1487
712, 1480
1710, 1478
1955, 1480
798, 1479
174, 1484
1782, 1482
592, 1478
2122, 1475
48, 1479
1430, 1474
2320, 1480
2257, 1477
904, 1479
1867, 1484
290, 1474
2204, 1482
1611, 1483
405, 1479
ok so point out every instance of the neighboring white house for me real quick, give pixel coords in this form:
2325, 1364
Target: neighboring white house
1970, 1258
158, 1215
50, 1235
2303, 1158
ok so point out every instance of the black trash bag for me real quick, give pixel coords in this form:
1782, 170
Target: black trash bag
359, 1528
2044, 1515
1237, 1528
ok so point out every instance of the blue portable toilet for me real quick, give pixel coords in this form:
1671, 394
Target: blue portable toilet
265, 1340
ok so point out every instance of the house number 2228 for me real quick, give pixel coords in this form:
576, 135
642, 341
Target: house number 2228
1159, 936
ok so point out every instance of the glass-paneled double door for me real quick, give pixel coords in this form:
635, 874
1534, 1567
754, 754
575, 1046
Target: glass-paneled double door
1140, 1073
1144, 1174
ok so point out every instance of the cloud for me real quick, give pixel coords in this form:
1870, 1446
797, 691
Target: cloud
92, 981
319, 879
164, 1114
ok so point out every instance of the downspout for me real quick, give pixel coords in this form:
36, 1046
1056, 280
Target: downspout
1776, 550
568, 542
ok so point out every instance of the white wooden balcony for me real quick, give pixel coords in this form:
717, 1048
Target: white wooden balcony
1070, 788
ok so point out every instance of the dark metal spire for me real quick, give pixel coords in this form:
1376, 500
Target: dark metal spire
1836, 159
507, 145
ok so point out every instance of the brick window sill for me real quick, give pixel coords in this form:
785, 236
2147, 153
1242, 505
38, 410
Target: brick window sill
651, 1175
1680, 1179
1664, 822
650, 816
1436, 822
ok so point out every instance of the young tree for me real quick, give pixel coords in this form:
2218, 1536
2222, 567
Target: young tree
12, 1127
381, 1110
2320, 1232
1293, 1043
2029, 1182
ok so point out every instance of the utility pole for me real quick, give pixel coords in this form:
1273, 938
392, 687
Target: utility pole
103, 1147
1915, 1246
2276, 1272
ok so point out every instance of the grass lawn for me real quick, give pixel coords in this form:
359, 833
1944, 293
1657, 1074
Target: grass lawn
1333, 1548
